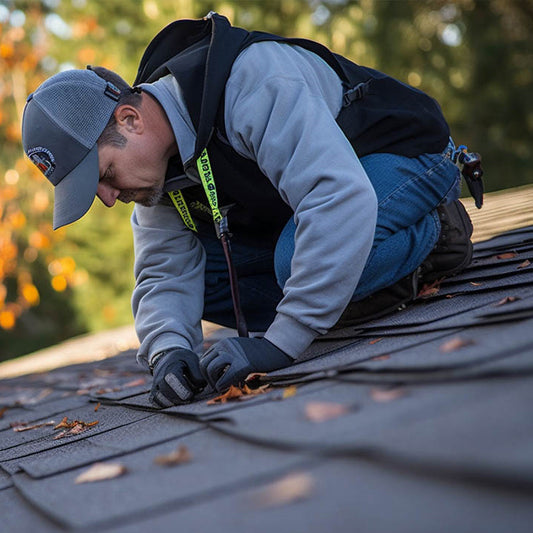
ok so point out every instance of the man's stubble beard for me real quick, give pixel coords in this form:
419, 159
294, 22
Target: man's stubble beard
147, 197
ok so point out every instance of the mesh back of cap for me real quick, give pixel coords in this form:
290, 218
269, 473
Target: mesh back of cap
78, 104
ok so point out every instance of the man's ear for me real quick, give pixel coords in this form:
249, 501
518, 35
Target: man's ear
129, 118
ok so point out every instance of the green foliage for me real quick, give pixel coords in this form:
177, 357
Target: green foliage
474, 56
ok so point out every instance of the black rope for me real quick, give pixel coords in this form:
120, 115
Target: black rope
242, 328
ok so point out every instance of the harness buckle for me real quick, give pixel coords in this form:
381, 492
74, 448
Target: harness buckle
355, 93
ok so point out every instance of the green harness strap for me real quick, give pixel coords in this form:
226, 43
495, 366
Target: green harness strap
181, 205
208, 182
221, 227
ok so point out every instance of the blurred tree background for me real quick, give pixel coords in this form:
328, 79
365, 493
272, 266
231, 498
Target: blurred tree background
474, 56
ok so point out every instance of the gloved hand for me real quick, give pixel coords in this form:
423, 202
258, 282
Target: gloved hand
177, 378
229, 361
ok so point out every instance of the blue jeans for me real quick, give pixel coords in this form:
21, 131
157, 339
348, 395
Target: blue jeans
408, 191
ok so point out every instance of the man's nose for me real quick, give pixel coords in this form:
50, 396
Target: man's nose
107, 194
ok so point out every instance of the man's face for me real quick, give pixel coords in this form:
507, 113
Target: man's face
134, 172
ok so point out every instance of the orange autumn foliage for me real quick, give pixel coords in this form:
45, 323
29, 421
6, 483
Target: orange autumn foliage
24, 194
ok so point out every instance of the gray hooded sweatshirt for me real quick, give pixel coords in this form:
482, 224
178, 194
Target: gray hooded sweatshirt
281, 102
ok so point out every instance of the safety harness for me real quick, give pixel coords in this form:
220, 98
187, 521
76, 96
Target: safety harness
221, 227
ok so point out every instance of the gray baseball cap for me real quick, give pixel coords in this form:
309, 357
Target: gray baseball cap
62, 121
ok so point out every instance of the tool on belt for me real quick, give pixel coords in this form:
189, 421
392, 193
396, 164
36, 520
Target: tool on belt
469, 164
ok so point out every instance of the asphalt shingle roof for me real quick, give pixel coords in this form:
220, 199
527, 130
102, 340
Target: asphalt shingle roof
428, 427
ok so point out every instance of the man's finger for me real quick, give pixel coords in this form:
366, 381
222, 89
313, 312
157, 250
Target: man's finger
216, 369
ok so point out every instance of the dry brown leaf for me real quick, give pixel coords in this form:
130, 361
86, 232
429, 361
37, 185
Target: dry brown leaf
135, 383
77, 429
238, 393
3, 411
322, 411
455, 344
177, 457
72, 428
63, 424
506, 255
525, 264
430, 289
293, 487
22, 426
232, 393
374, 341
386, 395
289, 392
254, 376
97, 406
380, 358
101, 472
66, 424
507, 300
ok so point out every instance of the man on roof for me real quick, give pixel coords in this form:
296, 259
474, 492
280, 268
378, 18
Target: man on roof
336, 184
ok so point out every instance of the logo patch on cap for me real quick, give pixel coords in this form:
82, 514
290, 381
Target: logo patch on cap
43, 159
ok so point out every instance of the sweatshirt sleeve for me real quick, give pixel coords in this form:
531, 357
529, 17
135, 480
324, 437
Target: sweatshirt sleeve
167, 299
281, 104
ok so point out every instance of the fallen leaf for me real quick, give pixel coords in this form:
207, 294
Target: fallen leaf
455, 344
375, 340
101, 472
232, 393
77, 429
289, 392
525, 264
254, 377
37, 398
380, 358
177, 457
506, 255
322, 411
135, 383
238, 393
386, 395
430, 289
3, 411
475, 283
22, 426
293, 487
66, 424
72, 428
507, 300
97, 406
63, 424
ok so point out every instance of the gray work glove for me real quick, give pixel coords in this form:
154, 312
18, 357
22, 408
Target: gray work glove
177, 377
229, 361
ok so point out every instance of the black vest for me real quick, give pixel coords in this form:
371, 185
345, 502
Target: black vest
380, 114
